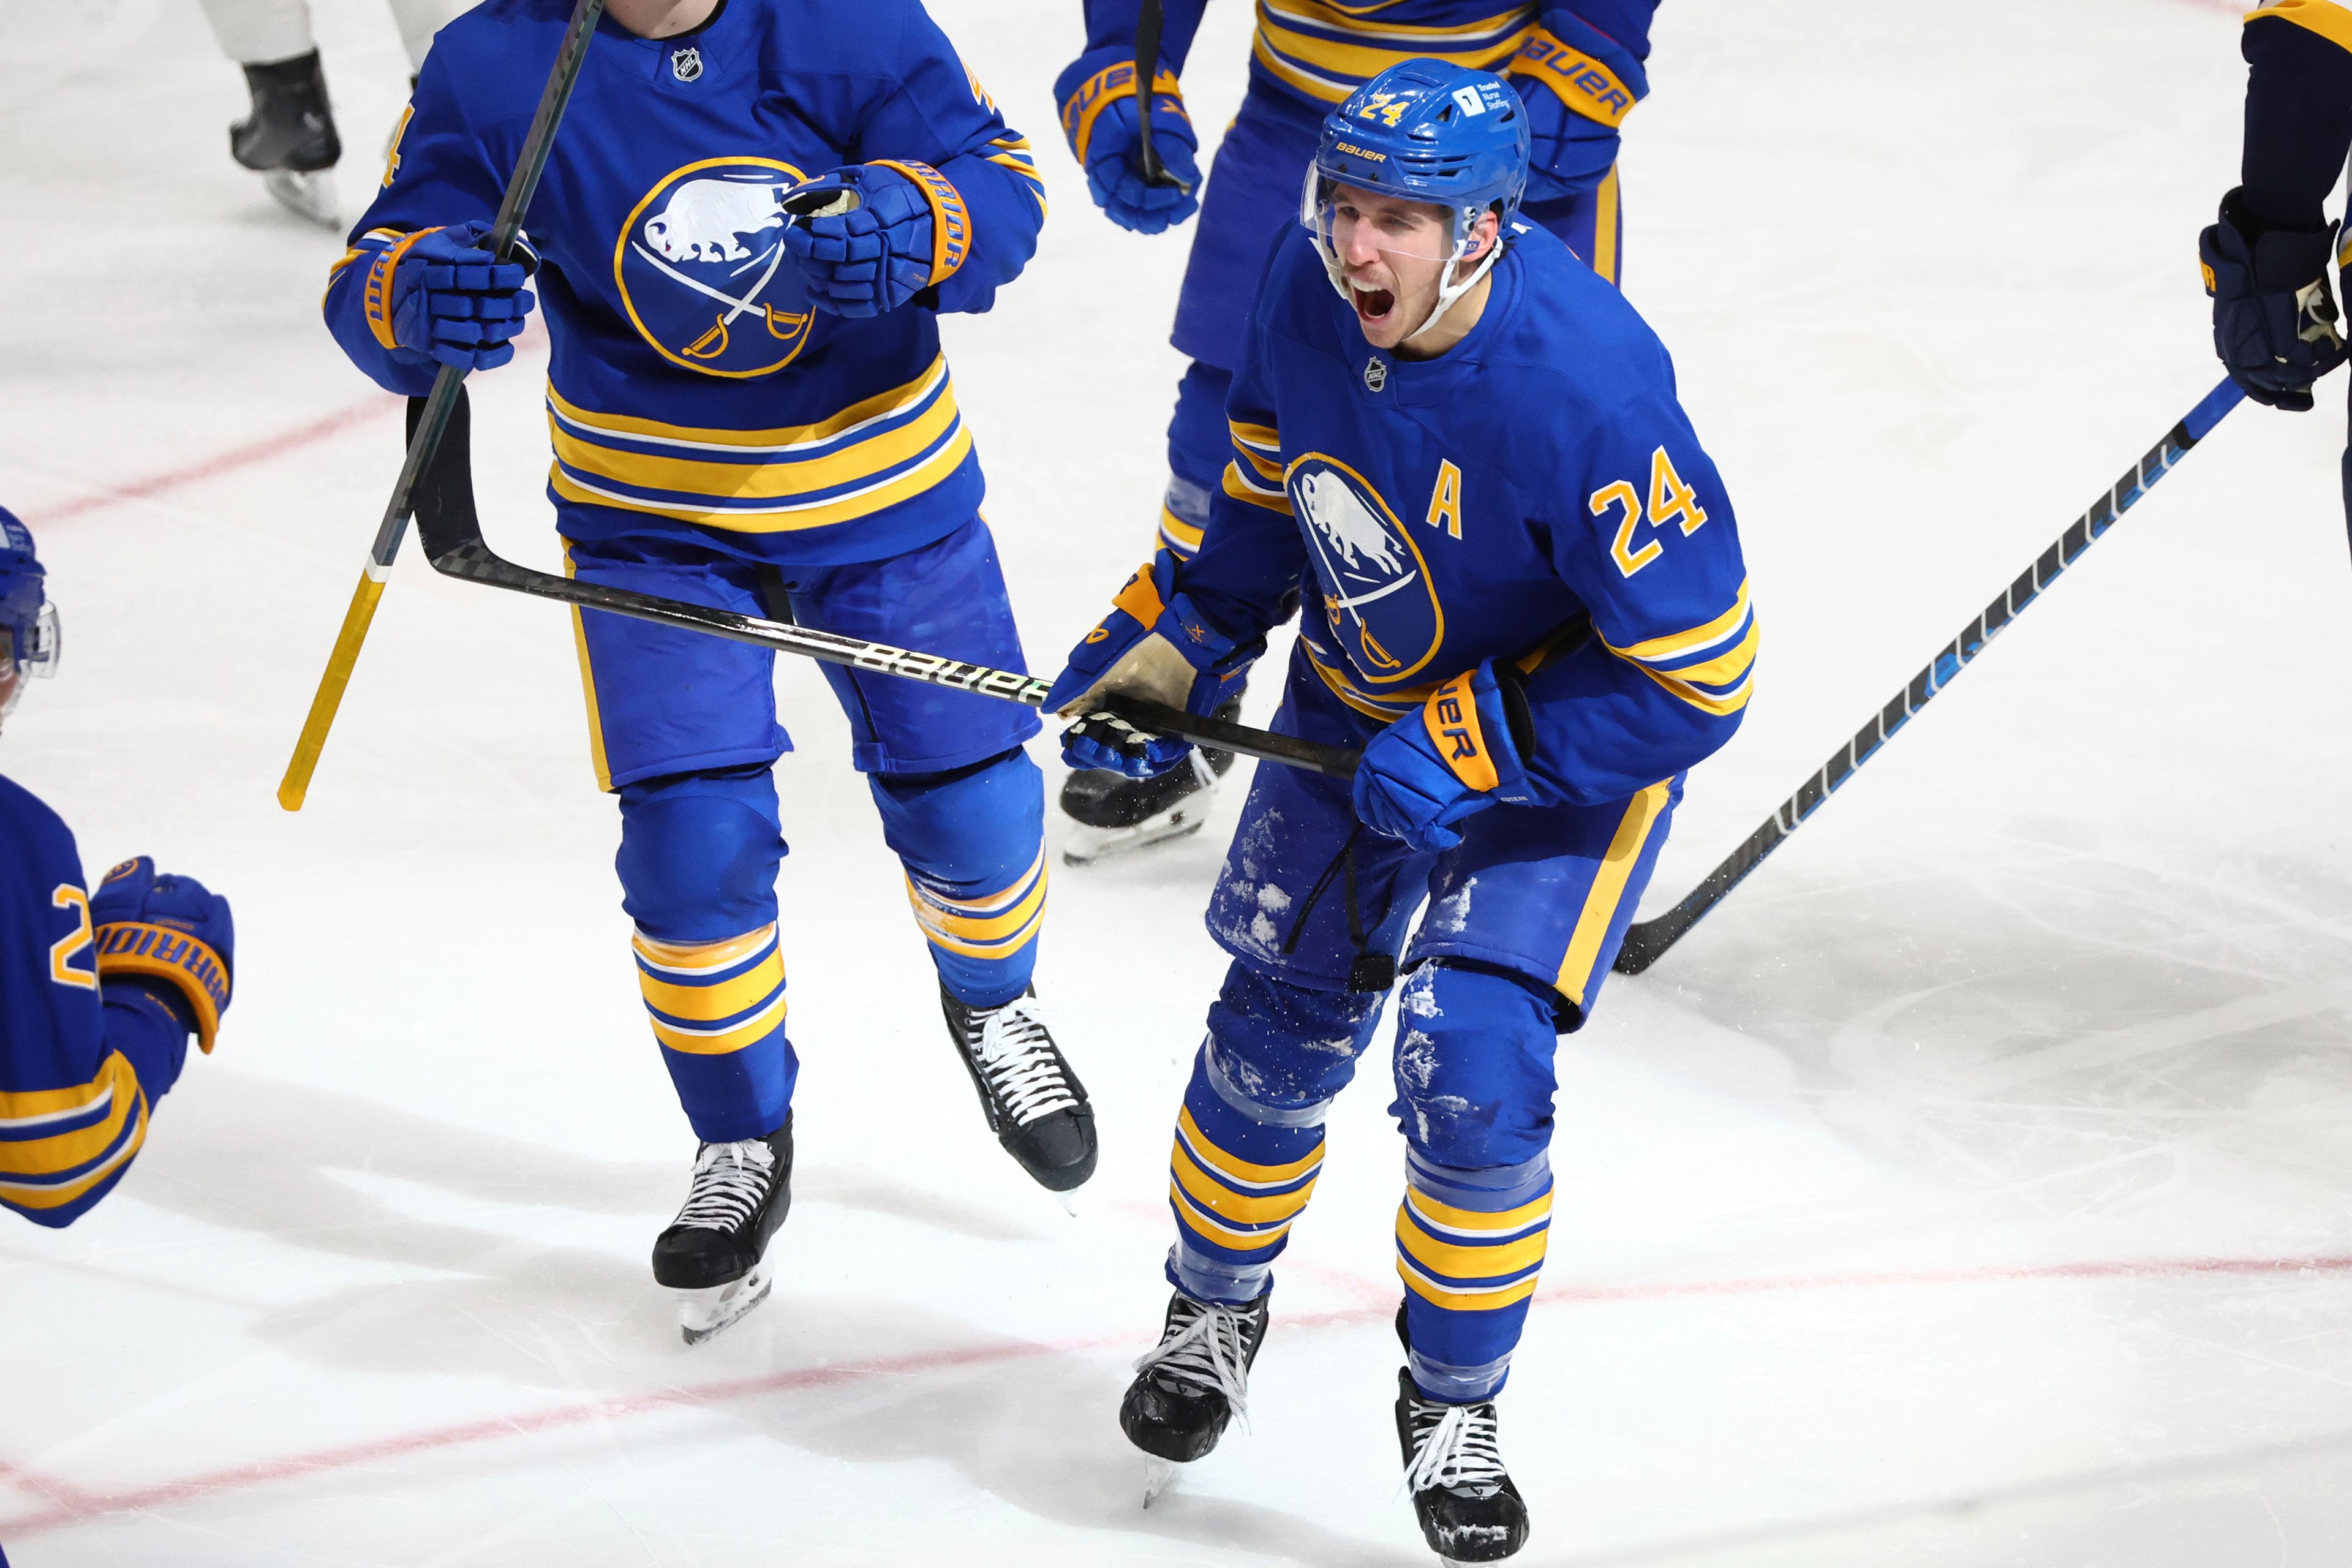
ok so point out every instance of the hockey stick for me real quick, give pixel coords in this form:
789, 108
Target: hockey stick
1647, 940
450, 529
426, 434
1148, 23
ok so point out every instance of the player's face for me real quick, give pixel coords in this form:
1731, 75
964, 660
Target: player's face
1394, 255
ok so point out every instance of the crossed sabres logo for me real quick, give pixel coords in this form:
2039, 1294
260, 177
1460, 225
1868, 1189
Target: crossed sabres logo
697, 259
1367, 565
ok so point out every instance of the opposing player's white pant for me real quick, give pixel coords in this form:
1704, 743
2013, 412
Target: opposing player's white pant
255, 32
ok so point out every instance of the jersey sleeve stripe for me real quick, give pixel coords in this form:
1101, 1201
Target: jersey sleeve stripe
1242, 488
2324, 18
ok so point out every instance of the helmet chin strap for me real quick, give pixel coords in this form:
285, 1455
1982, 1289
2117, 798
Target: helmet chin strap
1450, 294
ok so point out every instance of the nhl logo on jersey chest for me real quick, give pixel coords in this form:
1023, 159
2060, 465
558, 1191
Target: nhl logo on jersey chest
685, 63
1376, 374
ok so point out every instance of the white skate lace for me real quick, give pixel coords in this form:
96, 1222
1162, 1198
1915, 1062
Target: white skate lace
731, 1182
1206, 1353
1461, 1447
1016, 1056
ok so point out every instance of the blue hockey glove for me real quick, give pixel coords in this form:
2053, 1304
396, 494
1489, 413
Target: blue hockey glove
437, 295
1577, 84
872, 236
2273, 318
1154, 644
1098, 121
1460, 754
166, 930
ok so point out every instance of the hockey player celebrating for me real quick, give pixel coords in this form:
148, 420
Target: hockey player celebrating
1523, 597
750, 410
288, 137
1577, 67
2266, 258
99, 992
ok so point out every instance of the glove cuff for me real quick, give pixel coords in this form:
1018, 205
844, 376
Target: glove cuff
1100, 78
1470, 726
1590, 73
159, 952
378, 297
2279, 260
951, 221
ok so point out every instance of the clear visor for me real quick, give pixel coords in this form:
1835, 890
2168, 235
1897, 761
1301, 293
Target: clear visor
1348, 223
43, 644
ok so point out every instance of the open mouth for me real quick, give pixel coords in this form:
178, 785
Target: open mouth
1372, 304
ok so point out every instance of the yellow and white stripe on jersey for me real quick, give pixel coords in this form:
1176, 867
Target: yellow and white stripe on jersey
1710, 666
58, 1143
1324, 49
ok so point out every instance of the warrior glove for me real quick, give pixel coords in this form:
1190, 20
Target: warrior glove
1154, 644
170, 936
871, 236
1100, 124
1460, 754
2273, 318
437, 295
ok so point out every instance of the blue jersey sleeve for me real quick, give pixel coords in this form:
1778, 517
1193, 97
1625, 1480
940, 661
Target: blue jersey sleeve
1649, 545
1111, 26
81, 1065
1581, 71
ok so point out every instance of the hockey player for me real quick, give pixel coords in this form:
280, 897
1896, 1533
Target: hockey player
2266, 258
99, 992
289, 135
1578, 65
1523, 597
749, 409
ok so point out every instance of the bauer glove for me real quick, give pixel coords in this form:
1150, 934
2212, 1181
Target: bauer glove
1098, 121
1155, 645
872, 236
1460, 754
172, 936
2273, 318
437, 295
1577, 84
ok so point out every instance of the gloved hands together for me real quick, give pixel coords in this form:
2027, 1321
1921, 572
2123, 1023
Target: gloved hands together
440, 297
2274, 322
1456, 757
168, 929
867, 238
1153, 645
1104, 130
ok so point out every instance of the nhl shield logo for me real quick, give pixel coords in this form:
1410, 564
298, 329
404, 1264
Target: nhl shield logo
1377, 595
700, 268
685, 63
1376, 374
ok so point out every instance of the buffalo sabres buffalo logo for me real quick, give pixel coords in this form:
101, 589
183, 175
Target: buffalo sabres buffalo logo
1377, 594
701, 267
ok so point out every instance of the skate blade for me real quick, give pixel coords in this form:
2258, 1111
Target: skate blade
1157, 1475
702, 1313
1069, 1202
1085, 845
310, 196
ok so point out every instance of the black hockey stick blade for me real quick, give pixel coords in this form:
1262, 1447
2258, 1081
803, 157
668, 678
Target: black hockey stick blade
1646, 941
1149, 22
449, 527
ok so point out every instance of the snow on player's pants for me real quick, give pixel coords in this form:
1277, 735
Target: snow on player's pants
1253, 191
683, 728
1525, 917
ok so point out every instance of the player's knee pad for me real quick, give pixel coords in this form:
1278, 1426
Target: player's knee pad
1278, 1052
973, 843
699, 854
1474, 1065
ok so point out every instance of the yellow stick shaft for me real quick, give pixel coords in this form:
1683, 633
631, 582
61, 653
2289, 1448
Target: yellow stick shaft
339, 665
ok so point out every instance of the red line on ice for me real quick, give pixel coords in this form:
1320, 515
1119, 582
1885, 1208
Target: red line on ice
73, 1505
228, 462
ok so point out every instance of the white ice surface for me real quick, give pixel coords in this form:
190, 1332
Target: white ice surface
1968, 1189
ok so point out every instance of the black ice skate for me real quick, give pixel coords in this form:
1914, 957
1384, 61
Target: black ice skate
1115, 814
1188, 1386
289, 138
1033, 1102
1469, 1511
715, 1254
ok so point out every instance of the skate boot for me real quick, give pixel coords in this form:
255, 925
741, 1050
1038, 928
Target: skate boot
715, 1254
1469, 1511
1033, 1102
1115, 814
289, 138
1188, 1386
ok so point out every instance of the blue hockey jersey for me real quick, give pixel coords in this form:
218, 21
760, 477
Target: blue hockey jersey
1534, 494
80, 1066
691, 377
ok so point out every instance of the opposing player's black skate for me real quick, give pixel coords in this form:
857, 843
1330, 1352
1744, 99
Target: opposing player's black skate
289, 137
1469, 1511
1191, 1385
1033, 1102
1115, 814
715, 1254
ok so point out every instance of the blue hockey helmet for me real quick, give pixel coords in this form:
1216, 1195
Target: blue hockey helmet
28, 622
1424, 131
